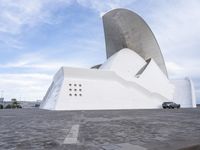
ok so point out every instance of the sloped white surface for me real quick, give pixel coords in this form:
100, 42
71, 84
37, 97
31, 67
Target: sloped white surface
126, 63
153, 79
52, 95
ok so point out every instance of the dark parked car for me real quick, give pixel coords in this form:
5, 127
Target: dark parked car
170, 105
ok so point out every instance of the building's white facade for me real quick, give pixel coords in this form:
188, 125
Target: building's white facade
184, 93
127, 80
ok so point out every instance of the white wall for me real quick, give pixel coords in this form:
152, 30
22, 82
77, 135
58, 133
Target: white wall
184, 92
156, 81
101, 90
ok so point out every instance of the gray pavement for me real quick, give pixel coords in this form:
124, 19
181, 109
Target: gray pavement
26, 129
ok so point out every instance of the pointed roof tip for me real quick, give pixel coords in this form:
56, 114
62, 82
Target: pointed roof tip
115, 9
111, 10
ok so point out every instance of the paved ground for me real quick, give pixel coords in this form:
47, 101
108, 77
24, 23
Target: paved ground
26, 129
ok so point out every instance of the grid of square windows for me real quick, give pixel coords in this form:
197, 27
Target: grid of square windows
75, 89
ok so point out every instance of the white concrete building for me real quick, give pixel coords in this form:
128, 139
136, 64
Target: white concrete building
133, 77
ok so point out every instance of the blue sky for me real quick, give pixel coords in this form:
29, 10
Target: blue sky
38, 37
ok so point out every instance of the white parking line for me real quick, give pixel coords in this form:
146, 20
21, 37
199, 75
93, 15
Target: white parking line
72, 136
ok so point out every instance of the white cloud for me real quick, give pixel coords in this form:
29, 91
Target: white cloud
23, 15
10, 42
24, 86
102, 6
38, 62
35, 73
17, 14
174, 69
176, 26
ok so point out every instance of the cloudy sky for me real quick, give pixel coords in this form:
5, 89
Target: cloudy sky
37, 37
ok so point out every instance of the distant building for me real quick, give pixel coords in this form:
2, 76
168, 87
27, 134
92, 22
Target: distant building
24, 104
29, 104
5, 103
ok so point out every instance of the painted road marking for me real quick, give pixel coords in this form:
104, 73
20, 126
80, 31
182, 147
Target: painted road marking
72, 136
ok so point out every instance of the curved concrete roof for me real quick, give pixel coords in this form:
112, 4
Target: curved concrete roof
125, 29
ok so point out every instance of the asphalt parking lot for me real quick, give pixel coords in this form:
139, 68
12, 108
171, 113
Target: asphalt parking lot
156, 129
